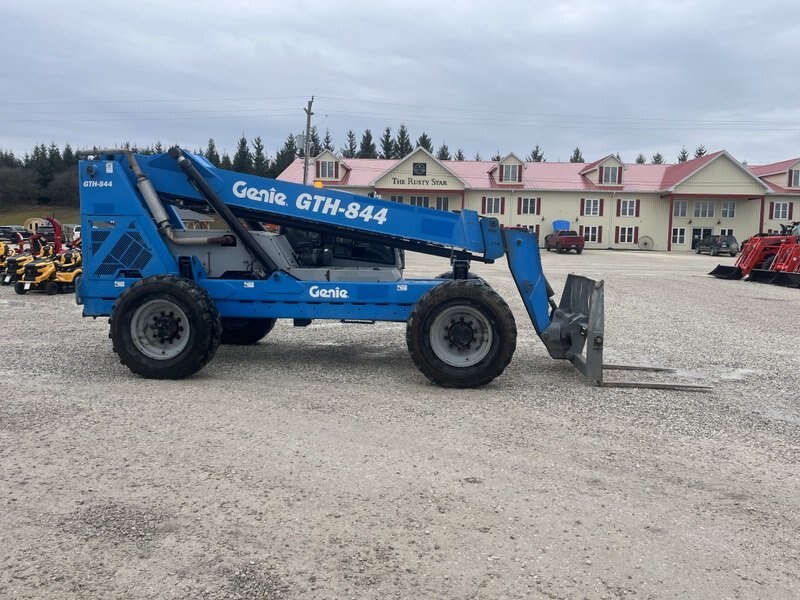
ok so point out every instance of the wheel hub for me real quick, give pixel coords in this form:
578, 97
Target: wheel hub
166, 327
460, 333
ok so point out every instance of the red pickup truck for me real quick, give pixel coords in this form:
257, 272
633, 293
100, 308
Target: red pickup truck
564, 241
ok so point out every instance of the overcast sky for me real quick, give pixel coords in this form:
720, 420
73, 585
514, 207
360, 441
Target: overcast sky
613, 76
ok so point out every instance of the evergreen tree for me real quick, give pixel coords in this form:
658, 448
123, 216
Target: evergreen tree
683, 156
158, 149
315, 145
618, 157
68, 157
211, 152
700, 152
497, 157
260, 159
54, 158
367, 148
39, 163
402, 143
576, 157
327, 143
387, 144
243, 159
351, 149
658, 159
640, 160
536, 155
478, 156
285, 156
7, 159
460, 155
225, 162
424, 141
443, 153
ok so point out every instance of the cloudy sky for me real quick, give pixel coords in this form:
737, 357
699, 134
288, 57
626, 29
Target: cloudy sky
614, 76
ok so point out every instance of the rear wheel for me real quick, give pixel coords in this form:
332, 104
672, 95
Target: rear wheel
766, 264
245, 332
470, 277
19, 288
461, 334
51, 288
578, 250
165, 327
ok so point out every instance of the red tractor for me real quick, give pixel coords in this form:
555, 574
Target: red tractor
764, 255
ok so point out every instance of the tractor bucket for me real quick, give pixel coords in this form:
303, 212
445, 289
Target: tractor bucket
727, 272
763, 276
787, 279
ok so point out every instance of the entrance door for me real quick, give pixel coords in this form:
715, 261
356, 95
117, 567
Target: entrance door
699, 233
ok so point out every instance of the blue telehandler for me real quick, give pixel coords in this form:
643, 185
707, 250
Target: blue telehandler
174, 294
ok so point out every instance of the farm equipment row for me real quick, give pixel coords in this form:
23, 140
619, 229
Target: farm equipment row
768, 258
50, 268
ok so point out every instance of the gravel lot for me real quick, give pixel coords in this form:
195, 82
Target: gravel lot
321, 464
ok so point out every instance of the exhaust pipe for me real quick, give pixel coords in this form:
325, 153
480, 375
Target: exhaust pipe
156, 208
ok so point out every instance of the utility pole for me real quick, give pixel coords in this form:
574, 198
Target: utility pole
307, 145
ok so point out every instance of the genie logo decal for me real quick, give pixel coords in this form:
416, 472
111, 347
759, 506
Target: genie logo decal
270, 196
334, 293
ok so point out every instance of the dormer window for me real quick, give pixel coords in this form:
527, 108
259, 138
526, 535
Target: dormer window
509, 173
794, 178
611, 175
327, 169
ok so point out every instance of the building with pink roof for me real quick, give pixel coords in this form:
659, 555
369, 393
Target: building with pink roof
611, 203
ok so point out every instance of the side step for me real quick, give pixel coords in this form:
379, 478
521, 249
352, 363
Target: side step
581, 312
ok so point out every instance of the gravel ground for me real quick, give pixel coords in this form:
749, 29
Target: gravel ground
321, 464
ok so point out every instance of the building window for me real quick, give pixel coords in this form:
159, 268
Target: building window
511, 173
610, 175
704, 209
626, 235
398, 199
794, 178
678, 235
781, 210
728, 209
591, 207
326, 169
423, 201
528, 206
493, 206
591, 233
679, 209
627, 208
442, 203
724, 231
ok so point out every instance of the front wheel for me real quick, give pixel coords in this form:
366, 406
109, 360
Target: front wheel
19, 288
245, 332
165, 327
461, 334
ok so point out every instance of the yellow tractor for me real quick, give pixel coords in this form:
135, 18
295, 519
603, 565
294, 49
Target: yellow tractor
51, 274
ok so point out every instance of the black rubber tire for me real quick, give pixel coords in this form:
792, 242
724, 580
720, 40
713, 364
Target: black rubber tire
578, 250
51, 288
697, 249
19, 288
766, 264
470, 277
714, 252
474, 297
245, 332
204, 325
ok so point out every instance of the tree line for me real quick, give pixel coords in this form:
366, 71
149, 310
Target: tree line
47, 175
